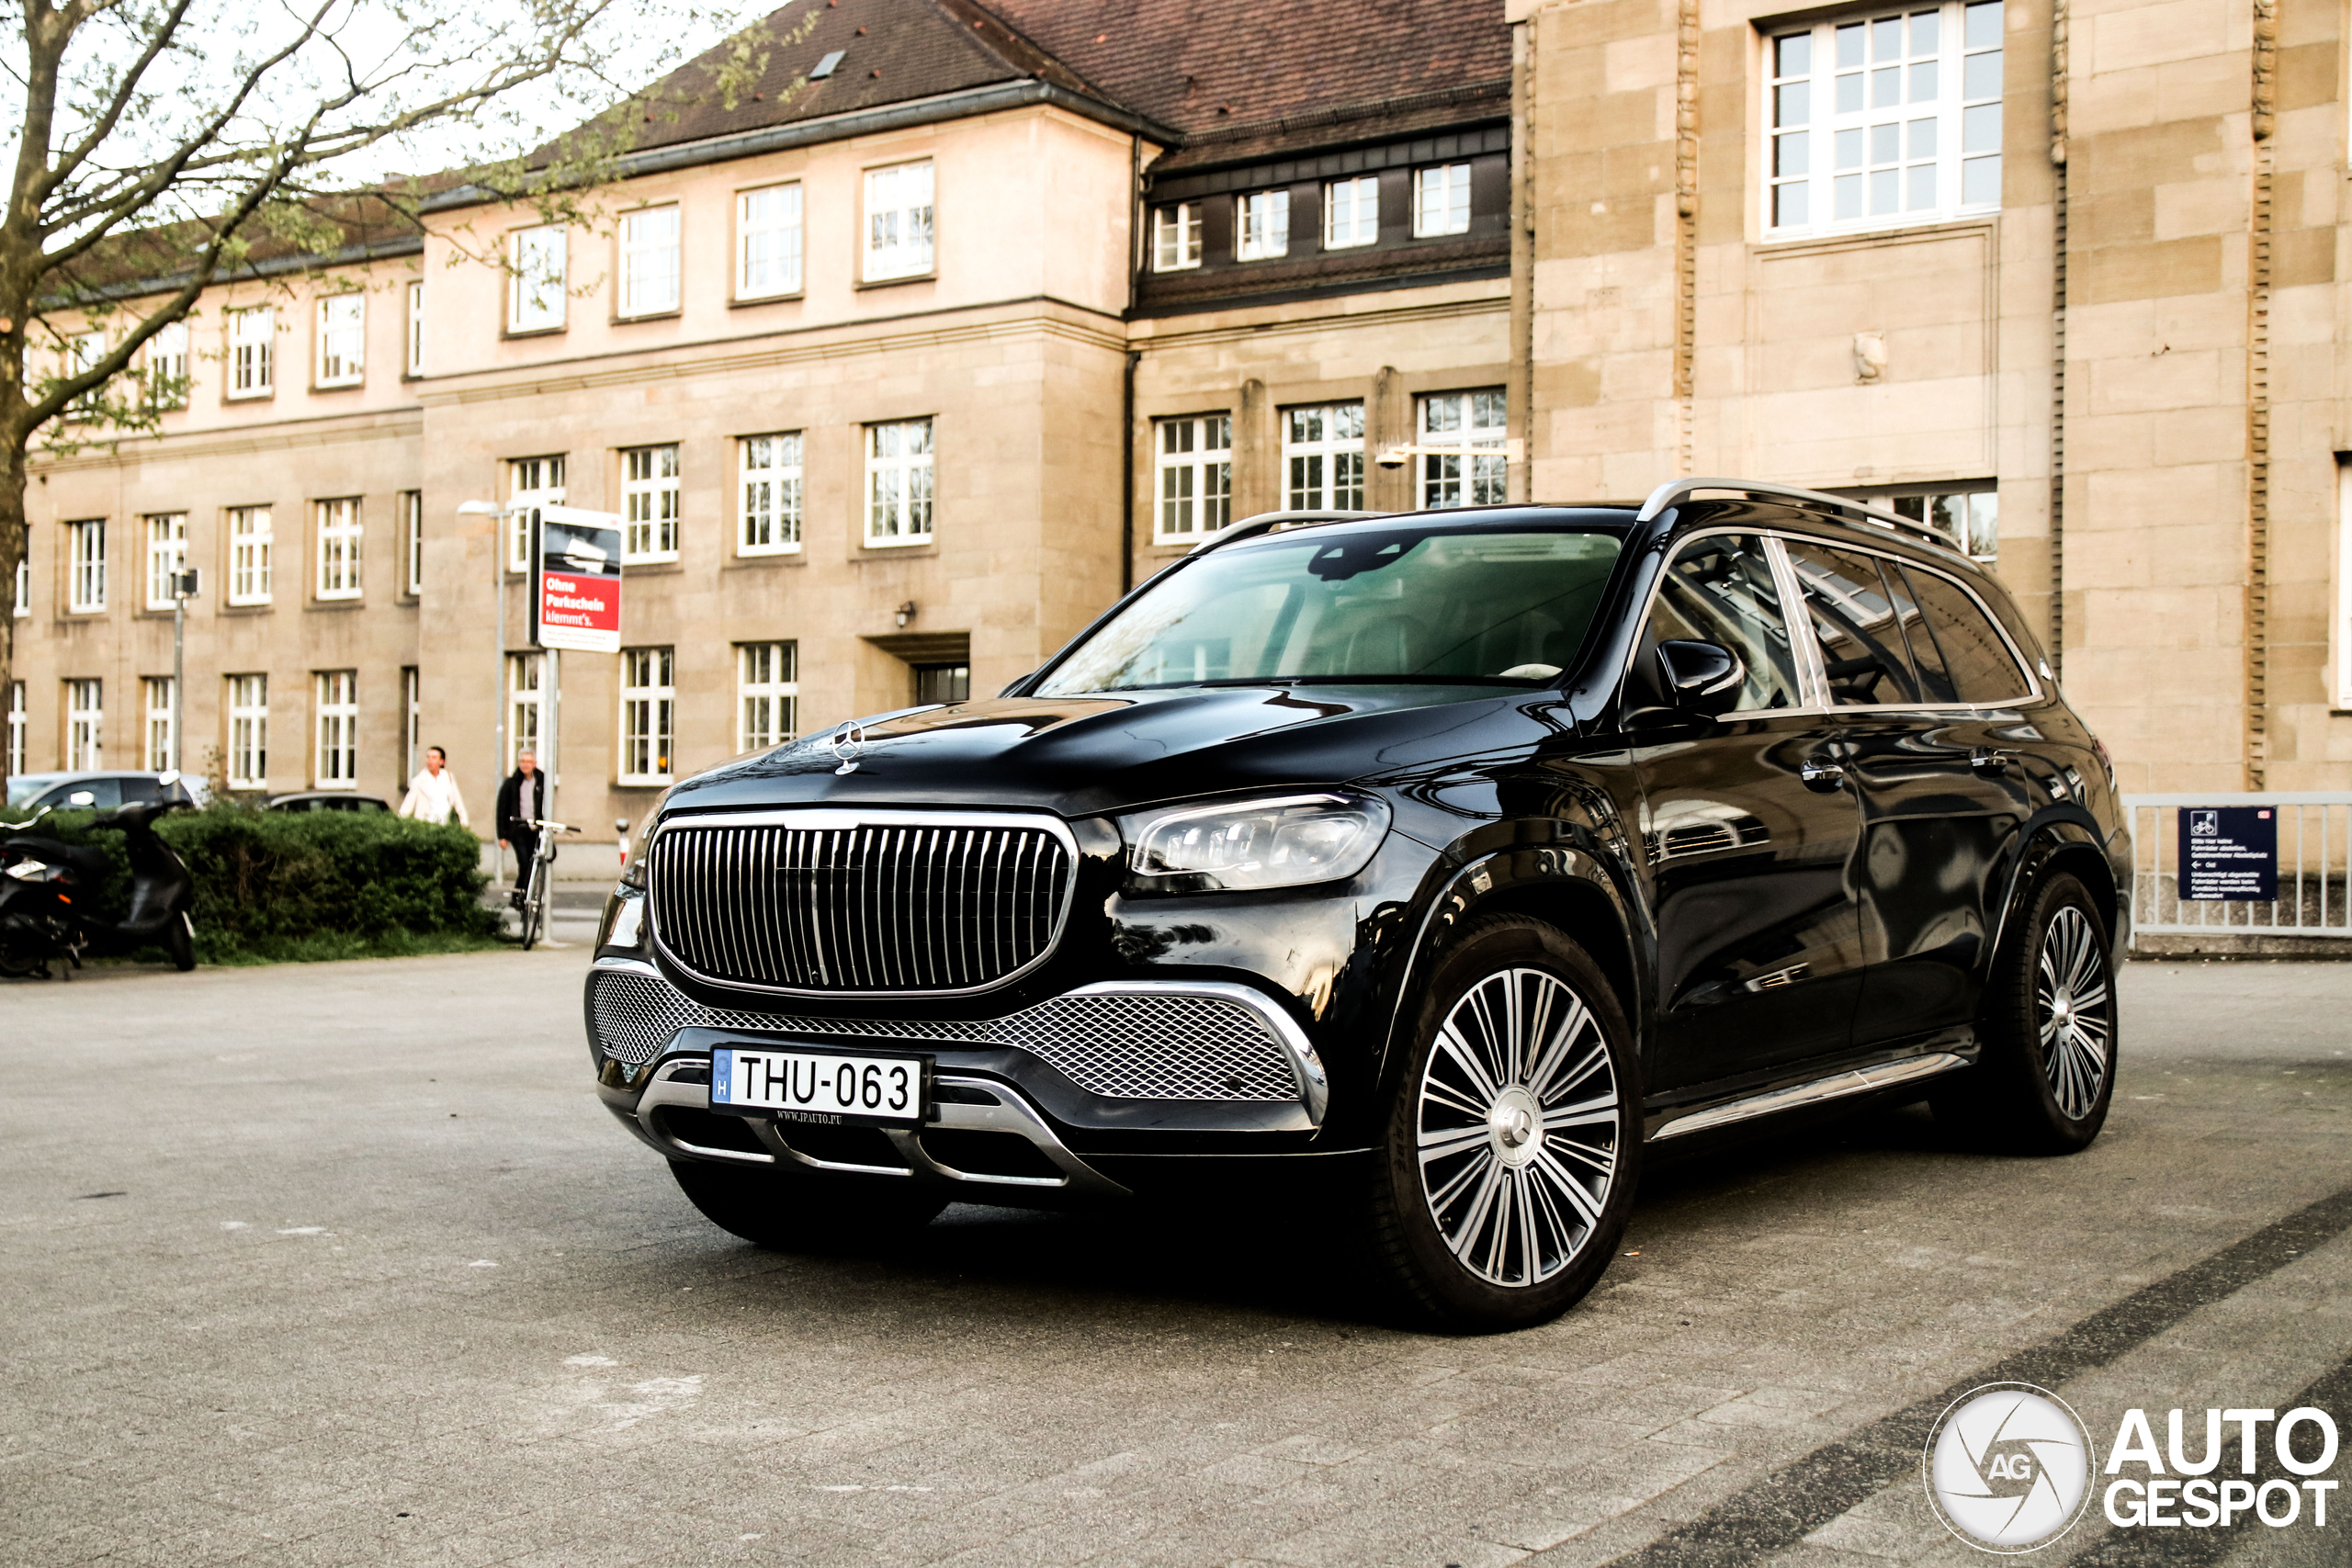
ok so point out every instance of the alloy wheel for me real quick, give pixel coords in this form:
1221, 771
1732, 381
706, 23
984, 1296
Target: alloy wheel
1518, 1126
2072, 1009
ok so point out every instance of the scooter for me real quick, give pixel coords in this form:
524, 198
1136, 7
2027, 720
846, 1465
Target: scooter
43, 881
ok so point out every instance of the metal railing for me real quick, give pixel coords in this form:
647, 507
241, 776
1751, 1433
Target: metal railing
2315, 862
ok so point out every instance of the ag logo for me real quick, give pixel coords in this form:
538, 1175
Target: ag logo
2008, 1467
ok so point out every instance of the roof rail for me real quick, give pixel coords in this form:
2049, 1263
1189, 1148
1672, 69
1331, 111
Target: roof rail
1275, 523
1674, 491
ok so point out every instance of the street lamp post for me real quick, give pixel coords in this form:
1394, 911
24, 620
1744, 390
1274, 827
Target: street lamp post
185, 584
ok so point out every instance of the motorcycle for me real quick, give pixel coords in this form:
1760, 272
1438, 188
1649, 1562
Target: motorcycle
45, 888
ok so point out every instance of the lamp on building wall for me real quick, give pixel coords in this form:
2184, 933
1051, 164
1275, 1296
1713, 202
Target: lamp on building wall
905, 612
491, 509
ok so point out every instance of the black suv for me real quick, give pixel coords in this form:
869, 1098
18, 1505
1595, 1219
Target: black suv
1453, 857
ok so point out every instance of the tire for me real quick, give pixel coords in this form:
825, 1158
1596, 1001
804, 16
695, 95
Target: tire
798, 1211
2046, 1036
1475, 1226
535, 904
179, 940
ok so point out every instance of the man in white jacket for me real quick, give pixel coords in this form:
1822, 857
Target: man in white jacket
433, 794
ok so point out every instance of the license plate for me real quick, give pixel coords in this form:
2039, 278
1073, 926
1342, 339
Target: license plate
825, 1086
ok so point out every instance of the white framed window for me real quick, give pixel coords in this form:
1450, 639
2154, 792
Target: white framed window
161, 715
337, 744
248, 731
650, 503
338, 549
898, 482
1351, 212
770, 493
1194, 458
537, 260
25, 579
767, 693
1323, 458
1262, 230
411, 721
86, 720
525, 705
767, 241
1887, 118
16, 728
86, 582
898, 228
1176, 237
415, 340
1440, 200
412, 518
650, 260
166, 556
82, 352
648, 711
343, 339
168, 382
531, 482
1967, 513
249, 543
253, 346
1475, 423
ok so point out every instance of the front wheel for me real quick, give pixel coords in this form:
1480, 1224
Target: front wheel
791, 1211
1514, 1142
179, 940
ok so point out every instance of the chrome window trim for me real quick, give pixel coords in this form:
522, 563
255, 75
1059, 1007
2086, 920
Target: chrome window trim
2034, 690
825, 819
1807, 688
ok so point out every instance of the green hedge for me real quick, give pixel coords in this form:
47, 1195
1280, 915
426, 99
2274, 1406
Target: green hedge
277, 886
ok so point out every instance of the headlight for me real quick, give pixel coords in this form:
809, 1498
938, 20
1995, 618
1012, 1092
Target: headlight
1281, 842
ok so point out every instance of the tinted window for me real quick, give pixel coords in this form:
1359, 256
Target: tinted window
105, 795
1981, 667
1852, 615
137, 791
1721, 590
1926, 655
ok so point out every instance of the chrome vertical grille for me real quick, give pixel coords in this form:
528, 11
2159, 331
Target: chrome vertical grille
833, 902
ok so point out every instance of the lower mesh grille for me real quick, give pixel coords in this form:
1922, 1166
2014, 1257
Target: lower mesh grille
1140, 1046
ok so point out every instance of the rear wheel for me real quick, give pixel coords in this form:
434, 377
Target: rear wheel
535, 904
790, 1211
179, 940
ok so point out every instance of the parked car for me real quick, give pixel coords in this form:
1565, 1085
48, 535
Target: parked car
1460, 859
324, 800
107, 790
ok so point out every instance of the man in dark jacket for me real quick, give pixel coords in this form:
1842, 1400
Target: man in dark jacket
522, 799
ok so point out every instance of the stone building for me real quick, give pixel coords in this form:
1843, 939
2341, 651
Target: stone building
971, 315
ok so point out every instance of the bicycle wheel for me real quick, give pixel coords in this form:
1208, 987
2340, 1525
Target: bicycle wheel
535, 903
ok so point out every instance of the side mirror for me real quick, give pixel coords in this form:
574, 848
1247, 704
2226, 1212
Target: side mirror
82, 797
1701, 677
168, 777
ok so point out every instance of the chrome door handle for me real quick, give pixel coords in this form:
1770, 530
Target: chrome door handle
1823, 776
1987, 761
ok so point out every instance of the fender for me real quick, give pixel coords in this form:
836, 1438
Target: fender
2063, 832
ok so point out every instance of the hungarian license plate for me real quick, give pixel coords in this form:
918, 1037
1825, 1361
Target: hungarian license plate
825, 1086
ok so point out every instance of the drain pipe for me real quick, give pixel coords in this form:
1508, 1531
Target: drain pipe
1127, 477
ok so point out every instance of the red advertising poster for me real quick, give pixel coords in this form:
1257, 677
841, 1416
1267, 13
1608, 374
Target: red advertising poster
576, 579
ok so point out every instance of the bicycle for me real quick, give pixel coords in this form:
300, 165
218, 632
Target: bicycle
535, 894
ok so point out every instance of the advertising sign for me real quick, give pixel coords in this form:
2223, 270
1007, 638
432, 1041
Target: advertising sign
576, 579
2229, 852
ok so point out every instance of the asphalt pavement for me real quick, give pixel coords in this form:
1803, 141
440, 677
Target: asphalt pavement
344, 1264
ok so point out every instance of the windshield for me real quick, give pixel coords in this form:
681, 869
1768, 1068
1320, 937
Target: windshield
24, 787
1373, 604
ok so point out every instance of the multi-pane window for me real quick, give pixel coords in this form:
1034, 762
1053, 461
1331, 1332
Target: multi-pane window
650, 503
767, 687
649, 708
531, 483
767, 243
167, 366
412, 520
253, 334
1263, 230
412, 720
16, 728
1968, 513
82, 352
1351, 212
897, 221
650, 260
155, 692
535, 287
942, 683
526, 702
1323, 458
415, 340
1885, 118
248, 732
770, 492
1176, 237
85, 584
343, 339
166, 558
339, 548
1442, 200
249, 541
898, 482
1476, 473
85, 715
338, 729
1195, 463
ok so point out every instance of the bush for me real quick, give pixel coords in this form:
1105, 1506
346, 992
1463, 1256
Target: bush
279, 886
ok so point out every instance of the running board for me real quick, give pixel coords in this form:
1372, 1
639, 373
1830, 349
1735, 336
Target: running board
1837, 1086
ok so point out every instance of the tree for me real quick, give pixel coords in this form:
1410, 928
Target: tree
165, 146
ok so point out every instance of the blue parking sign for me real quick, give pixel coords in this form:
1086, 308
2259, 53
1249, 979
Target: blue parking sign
2229, 852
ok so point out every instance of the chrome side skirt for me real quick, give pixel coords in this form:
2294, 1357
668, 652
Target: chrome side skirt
1837, 1086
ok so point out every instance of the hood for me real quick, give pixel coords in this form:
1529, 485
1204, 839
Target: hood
1085, 756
